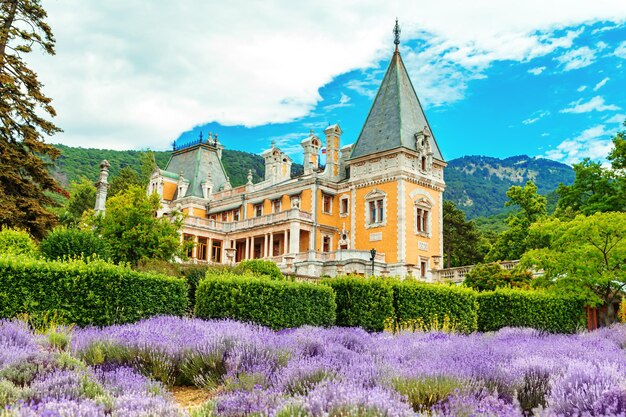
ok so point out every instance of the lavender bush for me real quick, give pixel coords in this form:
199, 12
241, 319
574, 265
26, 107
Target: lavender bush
311, 372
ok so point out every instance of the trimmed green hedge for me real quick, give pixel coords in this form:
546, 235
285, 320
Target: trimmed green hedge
525, 308
362, 302
259, 267
425, 306
272, 303
95, 293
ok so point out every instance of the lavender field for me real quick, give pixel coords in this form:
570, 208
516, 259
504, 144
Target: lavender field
247, 370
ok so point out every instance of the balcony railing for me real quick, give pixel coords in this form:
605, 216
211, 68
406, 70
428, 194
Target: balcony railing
292, 214
340, 255
457, 275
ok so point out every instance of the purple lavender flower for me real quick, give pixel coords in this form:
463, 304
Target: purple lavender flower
141, 405
118, 380
59, 408
334, 398
16, 342
259, 402
481, 405
583, 386
57, 385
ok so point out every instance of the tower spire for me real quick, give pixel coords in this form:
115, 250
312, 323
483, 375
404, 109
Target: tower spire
396, 33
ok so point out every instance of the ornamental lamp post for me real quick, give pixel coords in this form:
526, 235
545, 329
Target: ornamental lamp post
372, 257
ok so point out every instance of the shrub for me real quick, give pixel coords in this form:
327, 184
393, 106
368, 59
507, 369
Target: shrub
426, 391
276, 304
362, 302
430, 304
259, 267
193, 274
95, 293
16, 242
522, 308
63, 243
488, 277
9, 394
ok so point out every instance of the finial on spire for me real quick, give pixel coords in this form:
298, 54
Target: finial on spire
396, 32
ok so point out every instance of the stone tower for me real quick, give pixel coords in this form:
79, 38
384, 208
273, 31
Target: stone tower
102, 187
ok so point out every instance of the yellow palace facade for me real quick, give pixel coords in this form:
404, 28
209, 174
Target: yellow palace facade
384, 192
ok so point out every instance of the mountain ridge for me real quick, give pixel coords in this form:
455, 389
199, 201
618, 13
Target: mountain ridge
477, 184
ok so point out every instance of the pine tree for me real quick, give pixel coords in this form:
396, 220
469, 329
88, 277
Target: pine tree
25, 184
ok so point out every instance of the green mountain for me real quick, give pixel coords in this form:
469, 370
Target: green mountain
84, 162
478, 184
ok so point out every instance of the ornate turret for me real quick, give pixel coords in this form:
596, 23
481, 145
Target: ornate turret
102, 187
396, 115
311, 147
277, 165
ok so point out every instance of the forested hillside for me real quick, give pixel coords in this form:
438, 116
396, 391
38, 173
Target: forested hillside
478, 184
75, 163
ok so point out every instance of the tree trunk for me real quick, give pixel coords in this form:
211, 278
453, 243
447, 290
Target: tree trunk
6, 28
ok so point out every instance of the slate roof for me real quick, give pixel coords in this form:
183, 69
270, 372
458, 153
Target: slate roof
194, 163
396, 115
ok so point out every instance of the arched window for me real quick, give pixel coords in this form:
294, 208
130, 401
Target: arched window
423, 216
375, 208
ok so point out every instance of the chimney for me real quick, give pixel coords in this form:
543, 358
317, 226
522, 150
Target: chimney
311, 147
277, 165
333, 134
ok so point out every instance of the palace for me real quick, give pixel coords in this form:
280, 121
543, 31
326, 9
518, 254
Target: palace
382, 194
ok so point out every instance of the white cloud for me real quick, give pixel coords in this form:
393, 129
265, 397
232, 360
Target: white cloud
133, 74
617, 118
537, 70
594, 104
530, 121
365, 88
545, 134
581, 88
594, 143
601, 84
344, 101
535, 117
620, 51
577, 58
605, 29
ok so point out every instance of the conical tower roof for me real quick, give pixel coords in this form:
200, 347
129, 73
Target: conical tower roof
395, 117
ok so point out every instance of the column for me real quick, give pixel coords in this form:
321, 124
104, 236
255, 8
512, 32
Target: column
294, 240
194, 251
223, 257
265, 249
271, 244
285, 243
247, 254
209, 250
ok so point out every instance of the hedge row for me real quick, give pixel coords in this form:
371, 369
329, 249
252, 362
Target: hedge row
431, 306
417, 305
272, 303
95, 293
540, 310
362, 302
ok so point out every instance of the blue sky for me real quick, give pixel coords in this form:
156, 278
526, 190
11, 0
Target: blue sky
496, 78
573, 98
